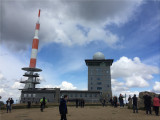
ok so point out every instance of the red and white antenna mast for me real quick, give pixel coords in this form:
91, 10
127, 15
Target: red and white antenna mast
35, 44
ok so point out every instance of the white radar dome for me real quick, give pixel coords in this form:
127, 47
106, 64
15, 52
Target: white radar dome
98, 56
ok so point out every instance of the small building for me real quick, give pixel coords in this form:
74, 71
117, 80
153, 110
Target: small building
99, 84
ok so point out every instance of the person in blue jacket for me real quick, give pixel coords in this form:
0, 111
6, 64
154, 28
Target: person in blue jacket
63, 107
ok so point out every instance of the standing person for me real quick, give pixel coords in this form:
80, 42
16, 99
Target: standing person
111, 101
115, 101
63, 107
29, 104
43, 102
121, 100
12, 101
8, 105
156, 104
76, 103
147, 102
104, 102
135, 104
83, 102
129, 98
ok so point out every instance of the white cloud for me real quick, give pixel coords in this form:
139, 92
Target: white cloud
17, 85
67, 86
59, 20
156, 87
133, 72
1, 91
2, 77
63, 86
118, 86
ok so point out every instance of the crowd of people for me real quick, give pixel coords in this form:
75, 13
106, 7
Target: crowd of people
80, 102
148, 103
114, 101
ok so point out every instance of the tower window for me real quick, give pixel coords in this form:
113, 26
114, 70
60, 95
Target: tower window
34, 95
98, 78
99, 83
107, 71
99, 88
29, 95
91, 88
91, 71
25, 95
98, 71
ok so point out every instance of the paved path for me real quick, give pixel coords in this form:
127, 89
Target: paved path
87, 113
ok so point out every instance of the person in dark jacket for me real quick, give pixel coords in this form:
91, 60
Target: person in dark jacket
8, 105
115, 101
147, 103
76, 103
12, 101
83, 102
129, 98
63, 107
135, 104
104, 102
121, 100
29, 104
111, 101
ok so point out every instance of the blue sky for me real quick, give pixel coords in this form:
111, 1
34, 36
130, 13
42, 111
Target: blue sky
126, 31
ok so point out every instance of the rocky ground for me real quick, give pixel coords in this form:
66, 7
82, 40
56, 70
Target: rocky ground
87, 113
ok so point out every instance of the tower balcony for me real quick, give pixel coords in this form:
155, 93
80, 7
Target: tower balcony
34, 81
31, 74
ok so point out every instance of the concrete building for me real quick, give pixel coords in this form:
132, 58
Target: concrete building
99, 83
99, 75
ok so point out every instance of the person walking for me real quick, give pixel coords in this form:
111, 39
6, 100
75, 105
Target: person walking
156, 104
8, 105
43, 102
135, 104
147, 103
63, 107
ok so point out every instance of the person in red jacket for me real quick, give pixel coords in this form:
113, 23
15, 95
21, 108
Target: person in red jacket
156, 104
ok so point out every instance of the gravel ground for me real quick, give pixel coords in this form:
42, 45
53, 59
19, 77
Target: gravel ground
87, 113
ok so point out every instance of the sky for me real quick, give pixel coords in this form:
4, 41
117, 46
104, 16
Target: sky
71, 31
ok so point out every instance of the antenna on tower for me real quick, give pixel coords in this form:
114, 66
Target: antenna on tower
32, 76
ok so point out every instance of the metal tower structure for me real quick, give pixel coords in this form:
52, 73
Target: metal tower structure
31, 71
